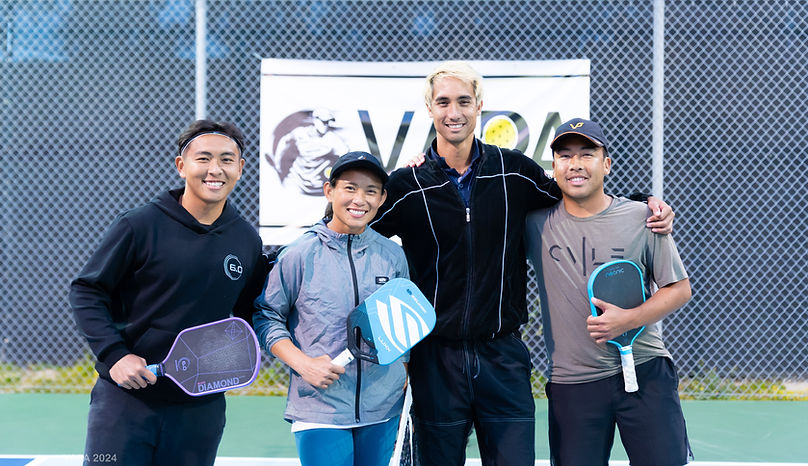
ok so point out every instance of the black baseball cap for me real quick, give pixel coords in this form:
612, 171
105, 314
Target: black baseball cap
581, 127
358, 159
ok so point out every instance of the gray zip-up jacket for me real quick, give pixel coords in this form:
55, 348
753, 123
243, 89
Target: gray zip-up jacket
317, 281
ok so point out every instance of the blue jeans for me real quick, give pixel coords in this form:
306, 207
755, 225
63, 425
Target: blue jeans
361, 446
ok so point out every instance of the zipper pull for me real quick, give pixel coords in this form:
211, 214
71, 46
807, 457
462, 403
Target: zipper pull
468, 214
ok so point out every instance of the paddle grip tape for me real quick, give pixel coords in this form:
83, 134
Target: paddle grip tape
629, 373
343, 358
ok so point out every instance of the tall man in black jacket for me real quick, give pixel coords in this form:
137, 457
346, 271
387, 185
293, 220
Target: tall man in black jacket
460, 217
184, 259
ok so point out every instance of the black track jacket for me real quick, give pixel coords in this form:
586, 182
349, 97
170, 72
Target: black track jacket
469, 262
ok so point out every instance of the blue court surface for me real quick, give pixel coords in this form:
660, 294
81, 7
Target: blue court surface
49, 430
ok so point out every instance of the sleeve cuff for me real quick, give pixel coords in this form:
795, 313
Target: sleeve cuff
114, 354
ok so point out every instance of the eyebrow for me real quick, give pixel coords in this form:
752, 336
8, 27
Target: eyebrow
205, 152
443, 97
352, 183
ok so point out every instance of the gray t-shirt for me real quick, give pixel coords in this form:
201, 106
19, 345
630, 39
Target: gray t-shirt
564, 250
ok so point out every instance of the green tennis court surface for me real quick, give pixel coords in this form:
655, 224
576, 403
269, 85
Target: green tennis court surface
51, 428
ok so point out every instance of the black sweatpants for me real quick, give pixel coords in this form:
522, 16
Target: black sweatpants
125, 430
484, 384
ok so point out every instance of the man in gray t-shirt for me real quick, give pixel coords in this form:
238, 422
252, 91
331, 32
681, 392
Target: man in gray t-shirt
565, 243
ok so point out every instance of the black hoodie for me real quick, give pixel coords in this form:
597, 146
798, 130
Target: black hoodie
157, 271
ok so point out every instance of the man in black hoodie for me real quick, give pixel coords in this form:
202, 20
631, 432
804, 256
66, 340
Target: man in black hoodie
184, 259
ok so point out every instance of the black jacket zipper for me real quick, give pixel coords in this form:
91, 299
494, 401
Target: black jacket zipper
465, 317
469, 253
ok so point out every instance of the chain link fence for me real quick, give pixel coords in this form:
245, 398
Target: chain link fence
94, 94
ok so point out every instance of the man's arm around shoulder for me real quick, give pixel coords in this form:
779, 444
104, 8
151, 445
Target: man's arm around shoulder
387, 220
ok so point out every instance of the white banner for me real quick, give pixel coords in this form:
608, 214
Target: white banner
312, 112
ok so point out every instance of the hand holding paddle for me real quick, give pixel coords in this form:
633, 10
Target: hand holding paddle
317, 371
130, 372
212, 357
320, 371
390, 322
613, 322
619, 283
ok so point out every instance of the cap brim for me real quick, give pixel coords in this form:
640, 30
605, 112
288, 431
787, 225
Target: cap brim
361, 164
567, 133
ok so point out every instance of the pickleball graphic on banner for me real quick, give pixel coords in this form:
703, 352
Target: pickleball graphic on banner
501, 131
306, 144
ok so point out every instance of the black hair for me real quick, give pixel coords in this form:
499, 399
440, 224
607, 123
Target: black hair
207, 126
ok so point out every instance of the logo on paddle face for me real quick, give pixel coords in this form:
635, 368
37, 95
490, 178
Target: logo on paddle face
403, 326
182, 364
234, 331
216, 385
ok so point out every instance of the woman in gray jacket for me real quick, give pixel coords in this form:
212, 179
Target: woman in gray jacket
340, 416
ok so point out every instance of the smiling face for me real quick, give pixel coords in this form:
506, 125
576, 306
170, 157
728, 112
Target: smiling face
355, 198
210, 166
454, 110
580, 167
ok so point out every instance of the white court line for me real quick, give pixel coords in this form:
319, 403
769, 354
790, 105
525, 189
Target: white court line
76, 460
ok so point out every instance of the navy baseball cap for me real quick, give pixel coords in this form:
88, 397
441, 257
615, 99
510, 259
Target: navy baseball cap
358, 159
581, 127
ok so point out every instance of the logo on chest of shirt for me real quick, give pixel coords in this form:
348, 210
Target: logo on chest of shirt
232, 267
587, 258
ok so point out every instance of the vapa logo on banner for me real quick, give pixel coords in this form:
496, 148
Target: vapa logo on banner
313, 112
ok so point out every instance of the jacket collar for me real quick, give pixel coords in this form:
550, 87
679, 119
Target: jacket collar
476, 155
339, 241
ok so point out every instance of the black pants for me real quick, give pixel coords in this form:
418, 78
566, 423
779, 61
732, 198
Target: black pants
125, 430
582, 418
484, 384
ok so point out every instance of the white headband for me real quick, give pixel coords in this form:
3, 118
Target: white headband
188, 143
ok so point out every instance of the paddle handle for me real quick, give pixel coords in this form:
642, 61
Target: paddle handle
343, 358
629, 372
156, 369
